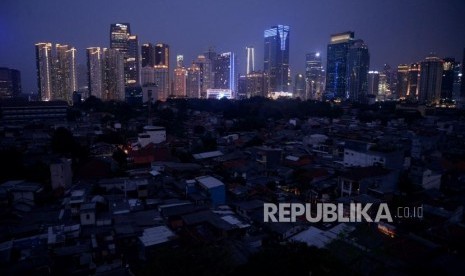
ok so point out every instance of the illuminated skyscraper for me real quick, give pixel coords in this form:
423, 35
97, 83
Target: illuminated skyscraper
241, 87
402, 80
358, 62
413, 80
256, 84
447, 83
391, 80
122, 40
148, 55
193, 83
147, 75
162, 82
250, 59
113, 75
299, 86
119, 36
64, 79
94, 71
162, 67
10, 83
180, 78
56, 72
276, 61
383, 87
205, 66
373, 83
430, 79
314, 76
225, 71
179, 61
462, 81
180, 82
131, 62
336, 65
162, 54
457, 81
44, 70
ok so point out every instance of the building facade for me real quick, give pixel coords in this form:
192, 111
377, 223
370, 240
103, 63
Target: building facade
64, 78
373, 83
402, 81
147, 55
56, 71
162, 81
314, 76
122, 40
276, 61
113, 75
336, 65
256, 84
447, 82
193, 87
250, 59
413, 80
225, 72
94, 71
180, 78
299, 87
10, 83
430, 79
358, 62
44, 70
206, 78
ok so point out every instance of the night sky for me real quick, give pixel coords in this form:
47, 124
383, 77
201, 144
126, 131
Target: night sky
396, 31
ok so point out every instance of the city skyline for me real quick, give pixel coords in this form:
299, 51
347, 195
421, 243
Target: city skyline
382, 29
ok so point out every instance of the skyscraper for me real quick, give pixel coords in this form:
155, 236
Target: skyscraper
391, 80
119, 36
447, 83
44, 70
113, 75
241, 87
336, 65
413, 80
180, 82
131, 62
179, 61
64, 78
94, 71
162, 81
314, 76
162, 67
250, 59
402, 80
56, 72
373, 83
225, 71
358, 62
255, 84
457, 81
299, 87
148, 55
193, 82
10, 83
276, 61
430, 79
205, 67
162, 54
122, 40
462, 85
147, 75
383, 87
